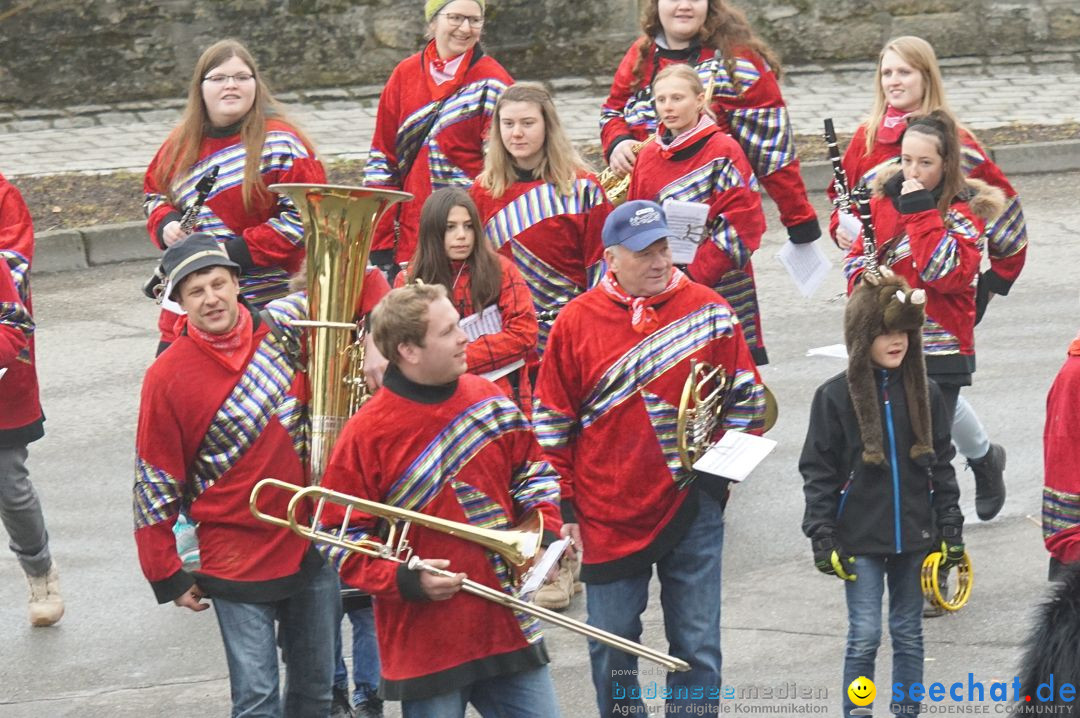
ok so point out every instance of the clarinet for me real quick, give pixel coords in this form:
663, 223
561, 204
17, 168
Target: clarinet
153, 286
861, 197
842, 201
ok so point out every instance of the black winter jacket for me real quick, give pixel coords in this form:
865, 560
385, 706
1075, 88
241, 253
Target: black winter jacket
872, 510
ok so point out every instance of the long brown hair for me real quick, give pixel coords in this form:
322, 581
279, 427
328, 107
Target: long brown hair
940, 126
430, 262
725, 29
560, 163
920, 55
182, 146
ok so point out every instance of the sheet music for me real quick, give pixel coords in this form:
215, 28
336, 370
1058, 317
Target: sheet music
735, 455
503, 370
686, 221
488, 321
542, 568
851, 224
3, 370
807, 265
168, 304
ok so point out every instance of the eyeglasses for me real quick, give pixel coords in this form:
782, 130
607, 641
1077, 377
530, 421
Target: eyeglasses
475, 21
240, 77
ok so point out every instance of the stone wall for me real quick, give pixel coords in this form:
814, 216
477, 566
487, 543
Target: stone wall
69, 52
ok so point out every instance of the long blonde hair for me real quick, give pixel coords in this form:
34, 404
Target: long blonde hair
689, 74
920, 55
560, 162
182, 146
725, 29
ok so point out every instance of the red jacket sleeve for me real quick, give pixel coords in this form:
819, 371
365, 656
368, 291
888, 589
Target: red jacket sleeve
1006, 234
556, 409
16, 227
375, 288
381, 168
736, 221
758, 120
156, 203
15, 322
279, 241
518, 337
613, 125
946, 254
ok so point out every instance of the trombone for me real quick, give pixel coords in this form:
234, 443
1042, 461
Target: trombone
518, 546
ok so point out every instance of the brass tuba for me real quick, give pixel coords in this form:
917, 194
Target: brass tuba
518, 546
339, 223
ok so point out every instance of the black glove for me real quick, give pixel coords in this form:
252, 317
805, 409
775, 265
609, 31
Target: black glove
831, 560
952, 546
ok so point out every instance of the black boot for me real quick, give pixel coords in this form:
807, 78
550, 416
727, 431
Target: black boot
989, 482
340, 706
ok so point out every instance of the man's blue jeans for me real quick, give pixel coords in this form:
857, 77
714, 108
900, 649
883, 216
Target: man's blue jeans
901, 572
690, 597
308, 620
527, 694
365, 656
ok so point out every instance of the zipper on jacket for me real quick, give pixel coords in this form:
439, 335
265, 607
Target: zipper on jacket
844, 494
892, 455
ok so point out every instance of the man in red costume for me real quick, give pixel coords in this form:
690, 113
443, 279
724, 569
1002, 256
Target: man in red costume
437, 440
609, 386
1061, 461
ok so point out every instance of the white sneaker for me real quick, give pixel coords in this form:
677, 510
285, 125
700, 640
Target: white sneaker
46, 606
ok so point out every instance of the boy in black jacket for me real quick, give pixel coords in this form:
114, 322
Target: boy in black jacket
880, 489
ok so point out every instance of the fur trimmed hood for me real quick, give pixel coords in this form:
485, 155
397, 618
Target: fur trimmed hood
986, 201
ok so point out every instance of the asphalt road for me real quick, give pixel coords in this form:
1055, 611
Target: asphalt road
116, 653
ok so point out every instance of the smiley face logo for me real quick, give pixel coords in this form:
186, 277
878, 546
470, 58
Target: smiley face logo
862, 691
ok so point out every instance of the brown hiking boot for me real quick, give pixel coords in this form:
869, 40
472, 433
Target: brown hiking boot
557, 594
46, 606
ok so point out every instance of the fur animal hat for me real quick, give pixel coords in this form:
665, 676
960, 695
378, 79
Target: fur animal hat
882, 304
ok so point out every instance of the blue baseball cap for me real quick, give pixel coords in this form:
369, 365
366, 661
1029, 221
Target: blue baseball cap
635, 225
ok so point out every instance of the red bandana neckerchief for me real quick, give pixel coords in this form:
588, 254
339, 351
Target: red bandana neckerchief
642, 315
230, 349
431, 57
667, 149
892, 126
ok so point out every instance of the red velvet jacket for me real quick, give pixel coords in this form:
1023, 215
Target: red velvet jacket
451, 153
939, 255
21, 419
1005, 238
268, 241
607, 400
713, 170
461, 452
1061, 462
553, 239
748, 106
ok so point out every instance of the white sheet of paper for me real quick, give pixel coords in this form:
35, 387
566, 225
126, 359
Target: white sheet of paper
834, 351
503, 370
686, 221
542, 568
168, 304
3, 371
851, 224
735, 455
806, 264
488, 321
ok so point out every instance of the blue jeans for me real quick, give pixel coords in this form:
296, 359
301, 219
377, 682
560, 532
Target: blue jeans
365, 656
690, 597
528, 694
864, 595
307, 620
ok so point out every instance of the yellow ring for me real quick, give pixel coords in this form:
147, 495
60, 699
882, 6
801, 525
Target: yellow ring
965, 580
